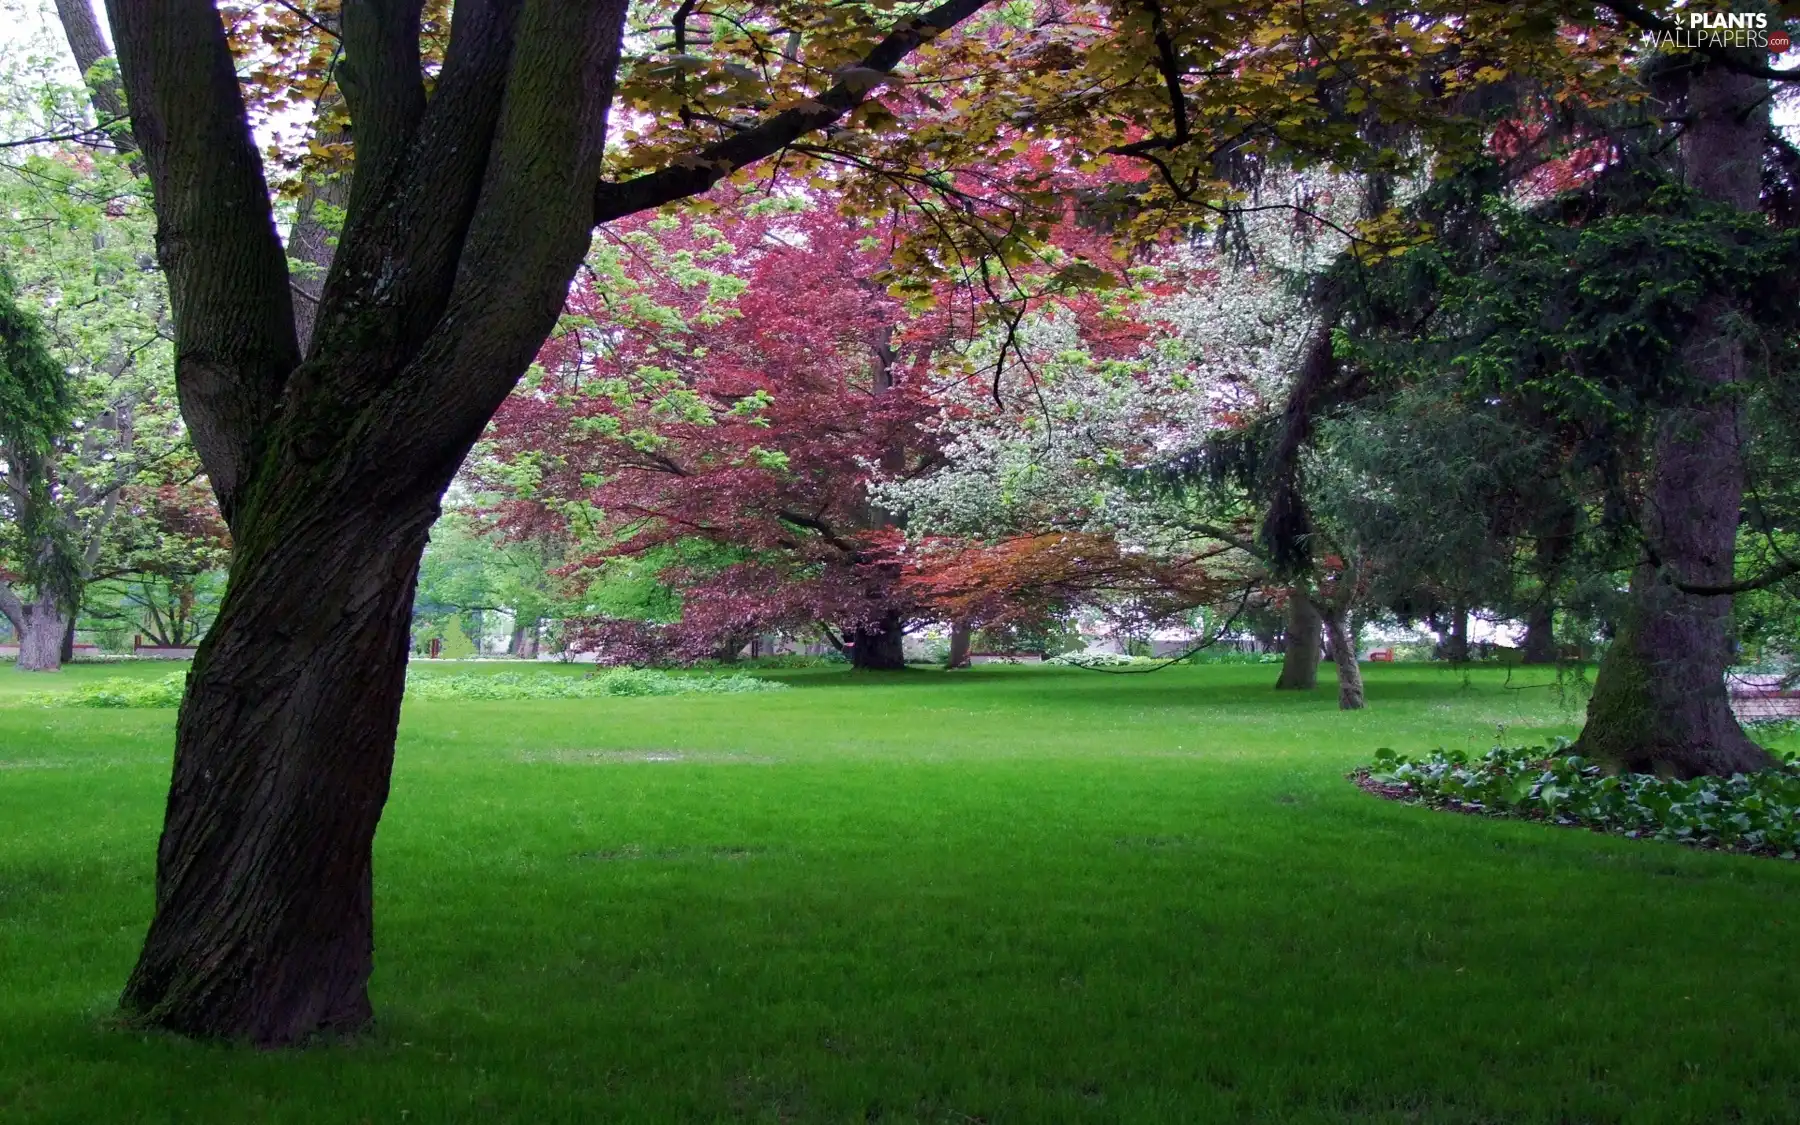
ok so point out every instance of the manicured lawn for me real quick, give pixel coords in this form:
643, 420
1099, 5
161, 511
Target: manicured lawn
1009, 895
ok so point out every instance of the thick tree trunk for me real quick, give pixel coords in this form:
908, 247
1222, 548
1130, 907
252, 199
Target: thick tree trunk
1660, 702
1342, 639
470, 211
264, 922
1540, 634
1300, 661
877, 647
40, 626
960, 636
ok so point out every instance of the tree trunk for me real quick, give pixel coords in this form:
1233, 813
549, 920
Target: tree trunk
1660, 702
1540, 634
67, 647
264, 923
876, 647
960, 636
1456, 638
40, 625
470, 211
1343, 654
516, 646
1300, 661
82, 30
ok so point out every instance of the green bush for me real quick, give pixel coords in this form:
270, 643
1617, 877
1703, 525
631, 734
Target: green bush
1757, 812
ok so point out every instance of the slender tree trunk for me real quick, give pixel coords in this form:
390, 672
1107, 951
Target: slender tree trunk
1540, 634
877, 646
516, 646
82, 30
67, 648
1342, 639
1300, 661
1660, 702
960, 636
264, 923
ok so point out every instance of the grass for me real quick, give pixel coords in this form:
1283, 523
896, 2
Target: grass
1007, 895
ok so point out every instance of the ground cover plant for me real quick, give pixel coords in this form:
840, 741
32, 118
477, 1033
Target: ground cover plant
1004, 894
1757, 813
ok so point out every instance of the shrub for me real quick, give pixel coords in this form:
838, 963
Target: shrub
1757, 812
1094, 659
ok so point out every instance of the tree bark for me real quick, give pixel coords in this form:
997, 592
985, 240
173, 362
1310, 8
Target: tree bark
40, 626
1540, 634
877, 646
82, 30
67, 647
1300, 659
1660, 702
960, 638
1343, 654
264, 925
468, 215
1456, 637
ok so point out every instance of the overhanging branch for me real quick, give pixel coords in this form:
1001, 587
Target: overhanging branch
697, 172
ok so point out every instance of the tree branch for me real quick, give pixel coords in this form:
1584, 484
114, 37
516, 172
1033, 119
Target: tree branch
694, 174
1780, 573
216, 237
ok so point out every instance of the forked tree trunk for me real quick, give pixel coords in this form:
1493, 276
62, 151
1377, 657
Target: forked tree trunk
41, 629
470, 211
960, 636
264, 925
1660, 702
1300, 660
1540, 635
877, 646
1342, 640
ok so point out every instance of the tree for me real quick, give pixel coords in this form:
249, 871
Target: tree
469, 214
1640, 318
1660, 696
730, 379
79, 249
470, 210
34, 402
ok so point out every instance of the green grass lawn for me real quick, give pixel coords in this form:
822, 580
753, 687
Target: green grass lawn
1007, 895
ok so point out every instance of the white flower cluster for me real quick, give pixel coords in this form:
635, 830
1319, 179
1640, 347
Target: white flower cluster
1048, 454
